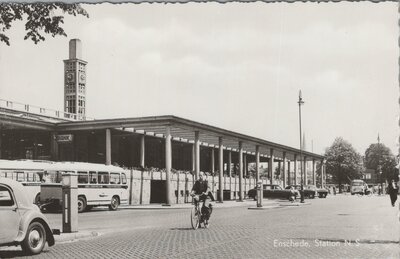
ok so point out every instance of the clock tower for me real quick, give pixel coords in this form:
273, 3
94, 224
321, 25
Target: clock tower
75, 81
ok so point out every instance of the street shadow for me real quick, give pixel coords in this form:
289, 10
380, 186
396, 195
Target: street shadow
11, 254
181, 229
17, 253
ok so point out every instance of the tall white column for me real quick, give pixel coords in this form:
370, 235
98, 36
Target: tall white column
240, 171
108, 147
295, 169
313, 172
257, 163
271, 166
212, 161
197, 153
168, 163
284, 170
229, 163
221, 169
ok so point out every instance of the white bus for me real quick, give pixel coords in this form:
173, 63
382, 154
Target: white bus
98, 185
28, 172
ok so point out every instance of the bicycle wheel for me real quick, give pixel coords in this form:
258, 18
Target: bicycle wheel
195, 218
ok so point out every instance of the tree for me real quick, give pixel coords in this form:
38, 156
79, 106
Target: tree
343, 162
379, 156
41, 18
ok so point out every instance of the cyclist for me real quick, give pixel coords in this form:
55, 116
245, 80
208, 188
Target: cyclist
201, 192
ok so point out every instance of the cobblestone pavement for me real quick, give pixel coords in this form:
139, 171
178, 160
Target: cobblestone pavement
337, 227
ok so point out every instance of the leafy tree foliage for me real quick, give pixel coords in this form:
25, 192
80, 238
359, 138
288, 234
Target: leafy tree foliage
379, 156
41, 18
343, 162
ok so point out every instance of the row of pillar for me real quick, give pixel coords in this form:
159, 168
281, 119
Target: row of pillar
242, 160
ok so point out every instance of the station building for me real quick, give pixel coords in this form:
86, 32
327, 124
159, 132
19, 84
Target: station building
173, 148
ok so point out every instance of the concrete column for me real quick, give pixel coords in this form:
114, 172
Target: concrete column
257, 163
212, 161
313, 171
305, 170
245, 173
279, 170
1, 136
193, 157
108, 147
295, 169
288, 173
284, 170
197, 153
240, 171
168, 163
322, 173
53, 146
221, 169
229, 163
142, 151
271, 166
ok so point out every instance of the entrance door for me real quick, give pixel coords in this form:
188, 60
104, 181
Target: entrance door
157, 191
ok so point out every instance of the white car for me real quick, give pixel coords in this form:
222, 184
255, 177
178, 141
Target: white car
21, 222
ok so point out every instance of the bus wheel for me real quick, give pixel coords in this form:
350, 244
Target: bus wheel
81, 204
114, 203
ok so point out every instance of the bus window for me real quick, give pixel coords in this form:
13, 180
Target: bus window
3, 174
83, 177
115, 178
38, 176
93, 177
123, 178
30, 177
20, 176
103, 178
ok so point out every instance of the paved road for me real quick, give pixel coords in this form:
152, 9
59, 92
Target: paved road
336, 227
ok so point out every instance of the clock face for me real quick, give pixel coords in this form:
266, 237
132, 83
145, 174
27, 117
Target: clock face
82, 77
70, 77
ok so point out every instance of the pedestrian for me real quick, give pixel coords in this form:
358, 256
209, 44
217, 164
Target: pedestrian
393, 190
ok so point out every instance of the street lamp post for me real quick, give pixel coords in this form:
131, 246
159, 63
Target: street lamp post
300, 102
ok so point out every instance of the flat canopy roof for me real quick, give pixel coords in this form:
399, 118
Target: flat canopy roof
184, 130
181, 130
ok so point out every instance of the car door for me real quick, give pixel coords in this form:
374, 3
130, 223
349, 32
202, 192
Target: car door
267, 192
9, 215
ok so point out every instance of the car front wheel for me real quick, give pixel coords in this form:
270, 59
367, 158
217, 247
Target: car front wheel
35, 239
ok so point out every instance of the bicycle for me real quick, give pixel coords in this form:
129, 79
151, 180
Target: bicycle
196, 216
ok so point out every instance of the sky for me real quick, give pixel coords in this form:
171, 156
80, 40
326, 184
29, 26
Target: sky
237, 66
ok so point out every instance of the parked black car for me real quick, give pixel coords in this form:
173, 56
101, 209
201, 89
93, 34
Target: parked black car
309, 191
272, 191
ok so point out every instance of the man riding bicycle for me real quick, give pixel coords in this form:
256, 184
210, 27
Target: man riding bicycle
201, 192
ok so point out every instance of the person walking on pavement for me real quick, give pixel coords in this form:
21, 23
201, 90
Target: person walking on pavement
393, 190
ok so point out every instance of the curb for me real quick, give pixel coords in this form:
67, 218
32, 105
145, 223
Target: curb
70, 237
264, 207
297, 204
